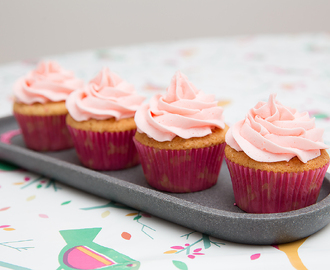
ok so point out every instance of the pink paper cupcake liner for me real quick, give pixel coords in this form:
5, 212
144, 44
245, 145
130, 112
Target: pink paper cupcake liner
105, 151
181, 170
44, 133
259, 191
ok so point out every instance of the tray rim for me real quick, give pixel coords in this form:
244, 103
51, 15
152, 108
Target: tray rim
322, 203
159, 195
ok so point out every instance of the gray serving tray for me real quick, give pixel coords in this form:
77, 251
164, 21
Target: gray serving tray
211, 211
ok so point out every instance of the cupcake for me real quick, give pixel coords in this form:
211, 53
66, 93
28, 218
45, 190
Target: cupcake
101, 122
181, 138
39, 106
276, 159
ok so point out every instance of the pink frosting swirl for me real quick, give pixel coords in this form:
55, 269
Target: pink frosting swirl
272, 132
105, 96
47, 83
184, 111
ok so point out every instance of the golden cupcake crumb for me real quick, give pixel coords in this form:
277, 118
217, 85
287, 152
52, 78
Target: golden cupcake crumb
293, 165
107, 125
50, 108
216, 137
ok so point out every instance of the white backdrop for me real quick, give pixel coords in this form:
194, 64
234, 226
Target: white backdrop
37, 28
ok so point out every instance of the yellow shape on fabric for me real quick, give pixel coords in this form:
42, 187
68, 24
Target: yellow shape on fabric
170, 251
105, 214
19, 183
291, 251
131, 214
31, 198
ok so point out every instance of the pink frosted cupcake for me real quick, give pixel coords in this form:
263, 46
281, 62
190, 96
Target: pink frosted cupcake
39, 106
181, 138
276, 159
101, 122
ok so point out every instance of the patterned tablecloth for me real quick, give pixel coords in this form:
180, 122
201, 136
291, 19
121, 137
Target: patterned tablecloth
40, 219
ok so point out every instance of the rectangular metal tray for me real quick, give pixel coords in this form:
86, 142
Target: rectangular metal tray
211, 211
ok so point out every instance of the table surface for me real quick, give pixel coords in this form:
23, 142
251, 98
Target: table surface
40, 219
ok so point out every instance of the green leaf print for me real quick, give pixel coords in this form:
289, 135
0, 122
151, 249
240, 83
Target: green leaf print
5, 166
64, 203
180, 265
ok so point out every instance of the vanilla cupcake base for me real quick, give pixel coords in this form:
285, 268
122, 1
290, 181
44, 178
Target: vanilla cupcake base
104, 144
43, 125
181, 171
275, 187
182, 165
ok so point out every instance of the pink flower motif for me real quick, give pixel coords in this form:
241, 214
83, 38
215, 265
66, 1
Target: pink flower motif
197, 252
255, 256
177, 247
